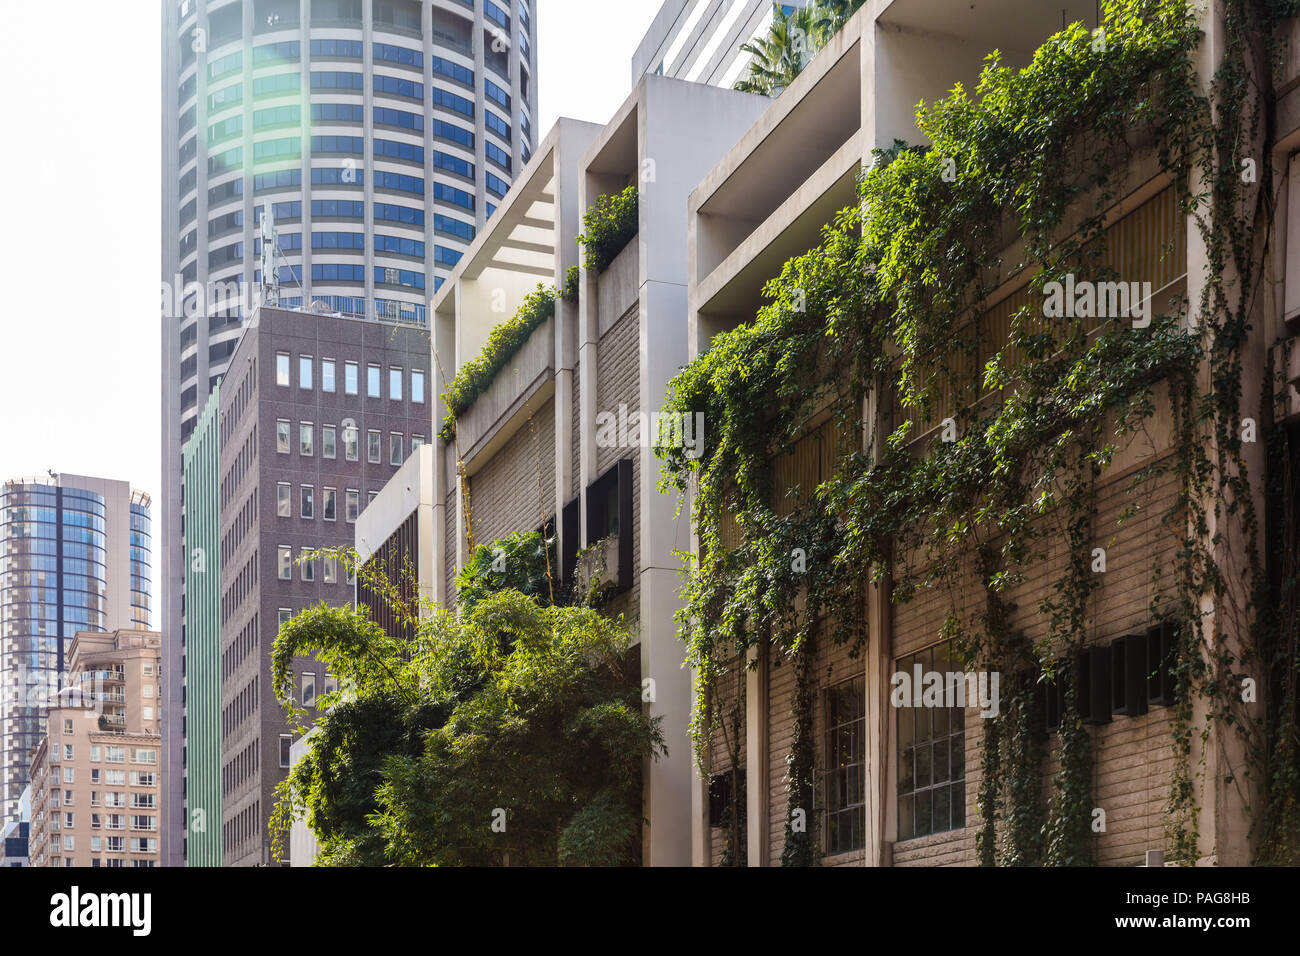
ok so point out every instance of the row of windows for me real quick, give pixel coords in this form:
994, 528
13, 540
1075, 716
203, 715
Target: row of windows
351, 378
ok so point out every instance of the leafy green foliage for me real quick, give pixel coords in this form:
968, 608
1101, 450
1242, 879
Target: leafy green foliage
476, 376
607, 227
510, 713
520, 562
570, 294
883, 311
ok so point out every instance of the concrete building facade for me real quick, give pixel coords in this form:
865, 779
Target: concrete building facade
316, 414
96, 790
611, 354
75, 555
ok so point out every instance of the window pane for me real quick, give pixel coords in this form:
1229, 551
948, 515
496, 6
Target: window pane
282, 501
328, 438
330, 503
307, 502
372, 381
304, 371
282, 437
282, 368
350, 377
395, 384
394, 449
327, 375
305, 434
417, 386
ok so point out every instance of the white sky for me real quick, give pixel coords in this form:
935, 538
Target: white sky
80, 346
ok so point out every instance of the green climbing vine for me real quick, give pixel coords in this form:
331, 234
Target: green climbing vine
886, 316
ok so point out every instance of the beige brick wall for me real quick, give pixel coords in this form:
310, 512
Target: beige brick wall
618, 371
503, 493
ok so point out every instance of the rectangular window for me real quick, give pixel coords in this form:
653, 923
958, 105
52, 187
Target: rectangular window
115, 755
329, 570
328, 438
282, 436
286, 742
282, 369
69, 775
305, 363
394, 449
845, 766
148, 713
331, 685
306, 430
308, 685
372, 381
283, 614
67, 751
350, 378
374, 446
116, 778
416, 442
351, 504
283, 500
351, 440
327, 375
308, 566
329, 503
931, 755
307, 502
417, 385
285, 565
144, 756
395, 384
67, 726
95, 755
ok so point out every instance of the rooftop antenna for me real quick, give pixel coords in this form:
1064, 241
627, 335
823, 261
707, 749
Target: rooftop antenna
270, 274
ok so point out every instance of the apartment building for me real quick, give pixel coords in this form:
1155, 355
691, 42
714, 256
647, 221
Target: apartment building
96, 793
530, 451
897, 785
317, 414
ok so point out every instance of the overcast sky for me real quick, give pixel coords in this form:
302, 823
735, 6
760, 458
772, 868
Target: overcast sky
79, 338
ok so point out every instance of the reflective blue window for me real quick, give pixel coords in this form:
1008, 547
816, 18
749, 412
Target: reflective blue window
223, 162
496, 124
277, 116
389, 117
496, 93
231, 63
389, 212
446, 257
496, 14
337, 209
338, 240
393, 150
453, 71
223, 98
454, 227
454, 133
333, 80
399, 54
399, 245
288, 50
453, 164
280, 179
395, 86
338, 272
497, 185
348, 49
277, 149
399, 182
497, 155
450, 194
226, 129
351, 145
405, 277
338, 113
451, 101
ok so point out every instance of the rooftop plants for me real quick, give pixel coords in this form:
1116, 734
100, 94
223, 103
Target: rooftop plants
607, 227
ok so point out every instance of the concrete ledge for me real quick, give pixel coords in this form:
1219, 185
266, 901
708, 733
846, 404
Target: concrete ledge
616, 288
519, 378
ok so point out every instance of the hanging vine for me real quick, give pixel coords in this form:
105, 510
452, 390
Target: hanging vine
886, 310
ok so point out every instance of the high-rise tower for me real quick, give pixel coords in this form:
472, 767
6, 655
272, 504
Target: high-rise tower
380, 134
75, 555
